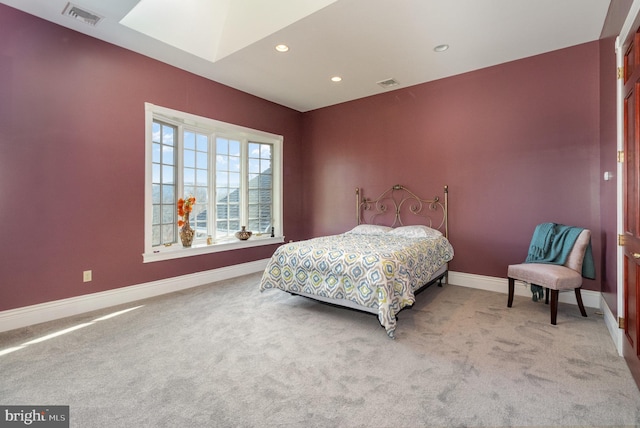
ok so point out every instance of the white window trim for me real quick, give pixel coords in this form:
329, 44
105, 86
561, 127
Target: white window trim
153, 254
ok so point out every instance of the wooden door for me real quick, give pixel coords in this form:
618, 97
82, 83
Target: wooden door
631, 298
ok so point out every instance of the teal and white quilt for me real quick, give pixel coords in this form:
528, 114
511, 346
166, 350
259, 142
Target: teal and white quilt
375, 271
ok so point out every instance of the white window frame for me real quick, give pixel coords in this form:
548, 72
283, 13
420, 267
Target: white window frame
213, 127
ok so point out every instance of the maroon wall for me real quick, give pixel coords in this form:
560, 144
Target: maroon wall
518, 145
72, 148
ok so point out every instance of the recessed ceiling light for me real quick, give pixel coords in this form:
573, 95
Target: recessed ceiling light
282, 48
441, 48
336, 79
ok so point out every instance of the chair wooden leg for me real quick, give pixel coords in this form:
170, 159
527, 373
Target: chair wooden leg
579, 300
554, 306
511, 289
546, 296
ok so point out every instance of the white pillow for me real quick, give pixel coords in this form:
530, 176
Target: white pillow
417, 231
370, 229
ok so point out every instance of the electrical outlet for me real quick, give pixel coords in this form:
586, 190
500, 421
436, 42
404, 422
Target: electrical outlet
86, 276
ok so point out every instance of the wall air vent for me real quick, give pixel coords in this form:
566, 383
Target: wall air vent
388, 83
82, 15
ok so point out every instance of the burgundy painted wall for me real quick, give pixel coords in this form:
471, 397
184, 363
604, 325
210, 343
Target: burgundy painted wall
518, 145
72, 160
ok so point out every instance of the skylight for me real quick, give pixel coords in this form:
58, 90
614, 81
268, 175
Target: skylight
213, 29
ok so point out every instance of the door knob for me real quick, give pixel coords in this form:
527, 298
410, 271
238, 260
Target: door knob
636, 255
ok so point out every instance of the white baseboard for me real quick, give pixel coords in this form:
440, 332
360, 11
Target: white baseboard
611, 321
49, 311
590, 299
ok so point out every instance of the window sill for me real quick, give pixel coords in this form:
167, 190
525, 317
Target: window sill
176, 251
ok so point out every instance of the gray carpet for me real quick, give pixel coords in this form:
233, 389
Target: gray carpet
226, 355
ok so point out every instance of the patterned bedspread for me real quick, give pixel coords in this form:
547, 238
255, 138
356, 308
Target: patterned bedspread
374, 271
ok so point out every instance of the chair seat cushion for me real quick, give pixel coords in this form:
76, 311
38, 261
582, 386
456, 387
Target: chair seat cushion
551, 276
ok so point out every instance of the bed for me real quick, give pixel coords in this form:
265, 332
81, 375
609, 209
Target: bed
398, 247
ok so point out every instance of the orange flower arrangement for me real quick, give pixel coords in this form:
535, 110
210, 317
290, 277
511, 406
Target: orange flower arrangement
185, 206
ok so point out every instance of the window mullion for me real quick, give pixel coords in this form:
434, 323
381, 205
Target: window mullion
179, 173
244, 182
213, 195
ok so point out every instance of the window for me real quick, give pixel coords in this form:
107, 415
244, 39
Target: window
233, 172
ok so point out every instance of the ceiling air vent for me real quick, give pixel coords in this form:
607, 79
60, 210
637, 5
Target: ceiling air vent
388, 83
80, 14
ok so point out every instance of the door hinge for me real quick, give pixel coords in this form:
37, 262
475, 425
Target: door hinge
620, 72
621, 323
621, 240
620, 157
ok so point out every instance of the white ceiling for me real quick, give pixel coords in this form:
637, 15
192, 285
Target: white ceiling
363, 41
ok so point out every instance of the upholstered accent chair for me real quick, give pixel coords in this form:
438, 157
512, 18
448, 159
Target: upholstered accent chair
552, 277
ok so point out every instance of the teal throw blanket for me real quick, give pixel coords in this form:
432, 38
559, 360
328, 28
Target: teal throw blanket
551, 243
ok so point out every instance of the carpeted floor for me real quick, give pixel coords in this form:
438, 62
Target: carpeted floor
226, 355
